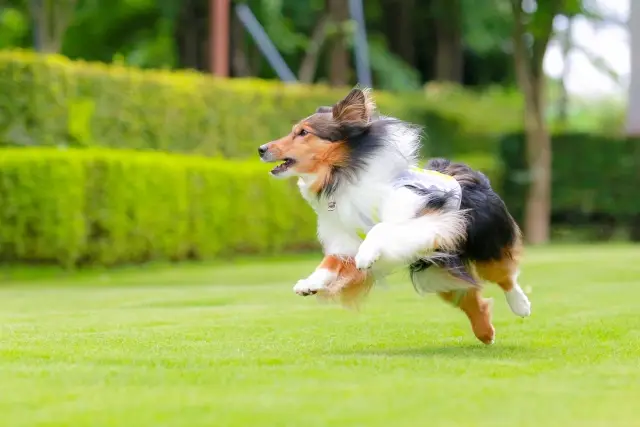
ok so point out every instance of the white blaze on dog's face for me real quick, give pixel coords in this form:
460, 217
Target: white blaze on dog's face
317, 144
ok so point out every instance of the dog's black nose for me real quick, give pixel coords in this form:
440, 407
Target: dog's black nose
262, 150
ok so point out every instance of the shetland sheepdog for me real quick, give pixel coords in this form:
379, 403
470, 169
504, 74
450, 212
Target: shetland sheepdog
377, 210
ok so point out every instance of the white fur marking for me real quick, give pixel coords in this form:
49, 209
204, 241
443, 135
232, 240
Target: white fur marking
402, 204
403, 243
518, 301
373, 188
318, 280
437, 279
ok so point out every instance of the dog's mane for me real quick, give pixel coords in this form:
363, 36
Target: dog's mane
377, 152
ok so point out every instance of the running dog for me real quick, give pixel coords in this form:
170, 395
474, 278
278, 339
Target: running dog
377, 211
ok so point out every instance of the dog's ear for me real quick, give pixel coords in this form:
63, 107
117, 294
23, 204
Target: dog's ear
357, 107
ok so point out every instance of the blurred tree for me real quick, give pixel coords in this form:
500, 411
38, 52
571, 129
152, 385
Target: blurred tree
411, 41
14, 24
398, 23
51, 17
191, 34
566, 44
339, 63
309, 64
138, 32
633, 114
447, 16
598, 17
532, 30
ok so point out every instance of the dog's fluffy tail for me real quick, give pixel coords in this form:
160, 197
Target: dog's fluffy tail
433, 234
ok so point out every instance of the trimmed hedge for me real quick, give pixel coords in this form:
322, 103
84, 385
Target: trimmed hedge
105, 207
52, 101
596, 179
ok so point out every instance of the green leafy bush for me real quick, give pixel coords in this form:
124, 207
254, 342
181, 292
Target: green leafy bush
52, 101
106, 207
595, 178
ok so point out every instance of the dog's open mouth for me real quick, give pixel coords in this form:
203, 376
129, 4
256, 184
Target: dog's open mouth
282, 167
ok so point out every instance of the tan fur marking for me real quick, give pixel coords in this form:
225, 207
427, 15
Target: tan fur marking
313, 155
478, 310
351, 286
502, 271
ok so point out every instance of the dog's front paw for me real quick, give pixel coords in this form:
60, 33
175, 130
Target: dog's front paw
306, 287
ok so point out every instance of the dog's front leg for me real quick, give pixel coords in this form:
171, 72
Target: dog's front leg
328, 271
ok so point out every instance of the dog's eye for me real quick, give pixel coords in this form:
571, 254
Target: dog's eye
303, 132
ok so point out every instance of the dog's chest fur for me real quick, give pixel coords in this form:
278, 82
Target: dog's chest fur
352, 210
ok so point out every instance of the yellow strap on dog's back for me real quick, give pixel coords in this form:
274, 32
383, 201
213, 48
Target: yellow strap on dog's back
431, 172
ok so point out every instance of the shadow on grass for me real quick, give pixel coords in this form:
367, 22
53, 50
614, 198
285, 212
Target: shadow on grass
187, 303
458, 351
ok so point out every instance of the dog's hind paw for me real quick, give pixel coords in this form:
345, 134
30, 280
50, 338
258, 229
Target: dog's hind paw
518, 302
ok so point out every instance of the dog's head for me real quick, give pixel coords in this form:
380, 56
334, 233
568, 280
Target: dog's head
320, 143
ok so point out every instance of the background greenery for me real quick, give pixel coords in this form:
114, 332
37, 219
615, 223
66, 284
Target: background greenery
120, 154
118, 149
76, 202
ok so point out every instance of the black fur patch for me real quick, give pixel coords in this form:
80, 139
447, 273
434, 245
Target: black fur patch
437, 199
364, 142
456, 265
490, 227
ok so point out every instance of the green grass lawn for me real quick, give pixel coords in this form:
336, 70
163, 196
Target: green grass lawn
231, 345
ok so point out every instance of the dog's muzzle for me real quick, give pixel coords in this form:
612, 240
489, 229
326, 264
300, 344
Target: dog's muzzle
264, 153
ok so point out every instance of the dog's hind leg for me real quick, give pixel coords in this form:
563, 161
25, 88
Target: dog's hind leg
477, 309
452, 287
504, 272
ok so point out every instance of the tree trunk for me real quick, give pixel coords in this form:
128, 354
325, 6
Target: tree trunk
398, 22
309, 63
449, 48
531, 77
52, 19
563, 98
538, 204
339, 65
239, 61
191, 35
633, 110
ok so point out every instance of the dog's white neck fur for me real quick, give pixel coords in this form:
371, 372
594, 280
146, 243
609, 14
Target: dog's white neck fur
341, 213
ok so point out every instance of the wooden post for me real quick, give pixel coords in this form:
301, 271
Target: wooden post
219, 37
